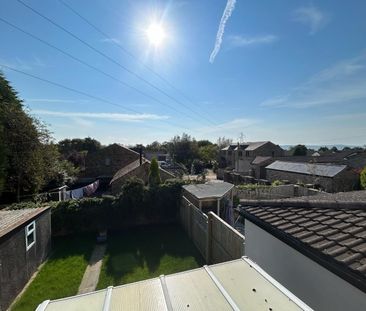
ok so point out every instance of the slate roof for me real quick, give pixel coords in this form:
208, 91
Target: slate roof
12, 219
254, 145
260, 160
209, 190
333, 237
324, 170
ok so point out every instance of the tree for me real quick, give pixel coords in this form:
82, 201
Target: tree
203, 143
334, 149
183, 149
208, 153
323, 149
223, 142
154, 174
28, 158
299, 150
363, 178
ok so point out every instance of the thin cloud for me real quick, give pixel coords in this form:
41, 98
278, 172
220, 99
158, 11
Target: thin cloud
230, 6
232, 127
311, 17
343, 83
56, 100
122, 117
111, 40
242, 41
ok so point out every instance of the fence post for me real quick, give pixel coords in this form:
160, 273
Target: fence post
190, 220
209, 239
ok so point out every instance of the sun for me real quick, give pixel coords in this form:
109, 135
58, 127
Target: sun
156, 34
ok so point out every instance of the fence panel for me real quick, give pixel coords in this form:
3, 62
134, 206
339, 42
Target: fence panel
216, 240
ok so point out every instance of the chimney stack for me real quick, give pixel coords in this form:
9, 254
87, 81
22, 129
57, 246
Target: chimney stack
140, 151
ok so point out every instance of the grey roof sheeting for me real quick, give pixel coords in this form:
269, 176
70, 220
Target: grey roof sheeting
12, 219
233, 285
209, 190
324, 170
335, 237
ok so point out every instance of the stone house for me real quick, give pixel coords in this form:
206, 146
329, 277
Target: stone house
240, 157
105, 163
329, 177
25, 242
138, 169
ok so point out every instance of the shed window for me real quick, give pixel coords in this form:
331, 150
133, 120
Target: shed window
247, 153
30, 235
240, 153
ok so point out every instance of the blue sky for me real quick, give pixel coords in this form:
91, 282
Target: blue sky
289, 71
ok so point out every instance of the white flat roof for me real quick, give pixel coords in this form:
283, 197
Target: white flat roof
234, 285
211, 189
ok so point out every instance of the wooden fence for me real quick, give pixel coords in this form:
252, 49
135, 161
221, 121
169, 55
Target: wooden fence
216, 240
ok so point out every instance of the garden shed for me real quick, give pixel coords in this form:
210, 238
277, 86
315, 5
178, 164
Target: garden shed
232, 285
209, 196
25, 241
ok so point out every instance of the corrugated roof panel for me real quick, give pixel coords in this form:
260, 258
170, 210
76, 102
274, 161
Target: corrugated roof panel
256, 294
92, 302
144, 295
194, 290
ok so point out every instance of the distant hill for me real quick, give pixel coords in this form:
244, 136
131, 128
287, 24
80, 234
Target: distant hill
316, 147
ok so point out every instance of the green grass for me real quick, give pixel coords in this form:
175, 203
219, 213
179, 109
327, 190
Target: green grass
62, 273
147, 252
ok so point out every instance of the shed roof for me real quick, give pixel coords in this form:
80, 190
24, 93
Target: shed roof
325, 170
234, 285
12, 219
335, 237
209, 190
254, 145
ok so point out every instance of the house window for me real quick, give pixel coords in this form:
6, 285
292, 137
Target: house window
247, 153
229, 153
272, 154
30, 235
240, 153
107, 161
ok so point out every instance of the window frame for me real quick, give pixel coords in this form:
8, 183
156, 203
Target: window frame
29, 232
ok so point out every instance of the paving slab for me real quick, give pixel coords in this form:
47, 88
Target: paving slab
92, 271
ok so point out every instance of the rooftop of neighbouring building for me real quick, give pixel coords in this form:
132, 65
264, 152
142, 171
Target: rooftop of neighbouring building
233, 285
317, 169
12, 219
333, 235
209, 190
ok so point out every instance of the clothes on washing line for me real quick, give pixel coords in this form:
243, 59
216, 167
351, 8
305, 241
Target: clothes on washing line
90, 189
77, 193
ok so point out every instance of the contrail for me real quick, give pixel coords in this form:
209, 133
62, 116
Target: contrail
230, 6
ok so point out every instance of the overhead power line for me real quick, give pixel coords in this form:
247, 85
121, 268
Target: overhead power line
104, 55
100, 99
124, 50
93, 67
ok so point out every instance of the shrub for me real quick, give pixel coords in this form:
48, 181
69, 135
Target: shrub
363, 178
277, 183
154, 174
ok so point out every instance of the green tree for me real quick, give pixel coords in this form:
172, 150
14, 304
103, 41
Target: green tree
323, 149
208, 153
299, 150
154, 174
363, 178
28, 159
183, 149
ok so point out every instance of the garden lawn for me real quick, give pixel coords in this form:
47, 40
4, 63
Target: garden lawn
62, 273
146, 252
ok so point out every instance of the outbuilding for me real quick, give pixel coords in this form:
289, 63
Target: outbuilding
209, 196
25, 241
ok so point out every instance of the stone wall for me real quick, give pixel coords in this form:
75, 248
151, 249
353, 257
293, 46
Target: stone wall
344, 181
107, 161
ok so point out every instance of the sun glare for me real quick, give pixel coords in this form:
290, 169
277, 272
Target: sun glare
155, 34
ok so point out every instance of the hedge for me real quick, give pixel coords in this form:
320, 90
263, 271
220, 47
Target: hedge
135, 205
